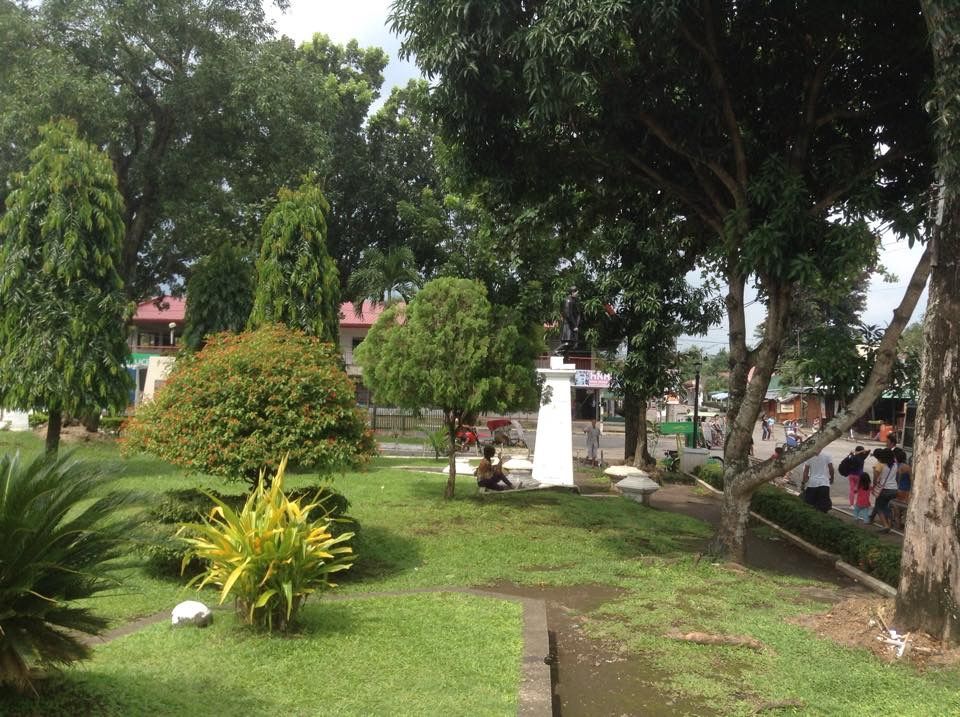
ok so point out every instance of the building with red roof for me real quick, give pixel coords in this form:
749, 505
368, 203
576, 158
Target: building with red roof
157, 328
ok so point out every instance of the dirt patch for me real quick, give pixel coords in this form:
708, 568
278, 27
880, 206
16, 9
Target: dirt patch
856, 621
591, 677
76, 434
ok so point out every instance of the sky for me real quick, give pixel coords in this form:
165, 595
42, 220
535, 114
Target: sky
366, 21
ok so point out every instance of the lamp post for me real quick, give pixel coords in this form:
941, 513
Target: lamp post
172, 325
696, 402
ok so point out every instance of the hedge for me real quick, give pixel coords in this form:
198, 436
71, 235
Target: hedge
851, 542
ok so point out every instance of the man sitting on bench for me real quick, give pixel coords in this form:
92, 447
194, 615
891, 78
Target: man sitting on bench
490, 476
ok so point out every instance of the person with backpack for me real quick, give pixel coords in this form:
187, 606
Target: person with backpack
852, 467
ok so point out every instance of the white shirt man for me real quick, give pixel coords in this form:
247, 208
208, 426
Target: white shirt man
817, 479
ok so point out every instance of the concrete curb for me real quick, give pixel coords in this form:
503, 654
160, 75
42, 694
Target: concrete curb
847, 569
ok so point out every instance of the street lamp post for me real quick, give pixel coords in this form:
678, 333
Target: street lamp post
696, 407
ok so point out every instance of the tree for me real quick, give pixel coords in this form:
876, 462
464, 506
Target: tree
445, 349
929, 593
297, 281
62, 305
202, 111
781, 156
242, 402
384, 276
220, 288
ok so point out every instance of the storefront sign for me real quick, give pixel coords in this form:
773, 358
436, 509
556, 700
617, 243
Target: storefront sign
591, 379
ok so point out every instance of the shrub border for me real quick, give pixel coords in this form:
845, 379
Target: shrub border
861, 556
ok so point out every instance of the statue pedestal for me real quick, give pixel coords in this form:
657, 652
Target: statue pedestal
553, 454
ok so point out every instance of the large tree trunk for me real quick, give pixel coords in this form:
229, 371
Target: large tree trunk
54, 424
929, 595
631, 426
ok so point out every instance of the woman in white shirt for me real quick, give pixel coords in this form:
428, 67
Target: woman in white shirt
885, 486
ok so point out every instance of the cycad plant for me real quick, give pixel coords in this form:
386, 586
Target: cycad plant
270, 555
59, 526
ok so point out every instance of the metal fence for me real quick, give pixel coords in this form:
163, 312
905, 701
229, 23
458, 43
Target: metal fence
397, 420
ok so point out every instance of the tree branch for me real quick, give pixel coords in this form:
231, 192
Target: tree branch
834, 194
877, 381
661, 182
709, 53
810, 121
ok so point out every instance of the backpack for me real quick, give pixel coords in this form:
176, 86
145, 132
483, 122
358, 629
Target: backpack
846, 466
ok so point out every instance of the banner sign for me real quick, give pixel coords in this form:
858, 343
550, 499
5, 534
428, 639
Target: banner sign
591, 379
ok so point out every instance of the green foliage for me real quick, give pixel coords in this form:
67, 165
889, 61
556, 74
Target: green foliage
111, 424
36, 419
205, 111
297, 282
58, 528
439, 441
221, 295
381, 276
851, 542
229, 408
445, 350
166, 555
62, 307
270, 555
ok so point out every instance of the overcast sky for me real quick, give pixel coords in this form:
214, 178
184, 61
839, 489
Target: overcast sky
366, 21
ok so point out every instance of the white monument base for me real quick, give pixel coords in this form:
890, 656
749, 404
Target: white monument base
553, 455
14, 420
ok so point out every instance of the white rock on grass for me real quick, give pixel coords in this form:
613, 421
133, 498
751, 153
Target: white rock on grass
191, 612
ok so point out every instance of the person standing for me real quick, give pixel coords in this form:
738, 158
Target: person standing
764, 427
884, 487
852, 467
817, 479
861, 505
593, 434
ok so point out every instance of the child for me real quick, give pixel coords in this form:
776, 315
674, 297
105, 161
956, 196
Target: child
861, 509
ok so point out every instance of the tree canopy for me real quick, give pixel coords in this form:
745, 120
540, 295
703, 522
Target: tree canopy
203, 112
297, 282
779, 128
221, 290
447, 350
62, 305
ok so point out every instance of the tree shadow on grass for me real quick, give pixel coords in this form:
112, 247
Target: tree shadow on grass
381, 553
95, 693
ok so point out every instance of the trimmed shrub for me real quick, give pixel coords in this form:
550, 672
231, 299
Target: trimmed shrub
59, 526
37, 419
243, 399
849, 541
270, 555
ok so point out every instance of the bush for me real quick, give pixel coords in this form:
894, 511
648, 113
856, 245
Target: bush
58, 528
851, 542
111, 424
164, 552
230, 408
270, 555
35, 419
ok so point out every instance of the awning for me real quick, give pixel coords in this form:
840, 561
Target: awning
720, 395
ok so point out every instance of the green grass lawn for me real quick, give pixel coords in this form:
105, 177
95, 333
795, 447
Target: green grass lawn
411, 538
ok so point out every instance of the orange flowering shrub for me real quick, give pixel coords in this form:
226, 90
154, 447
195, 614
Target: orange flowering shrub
246, 400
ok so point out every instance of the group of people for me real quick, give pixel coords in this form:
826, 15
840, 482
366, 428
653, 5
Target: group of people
888, 486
